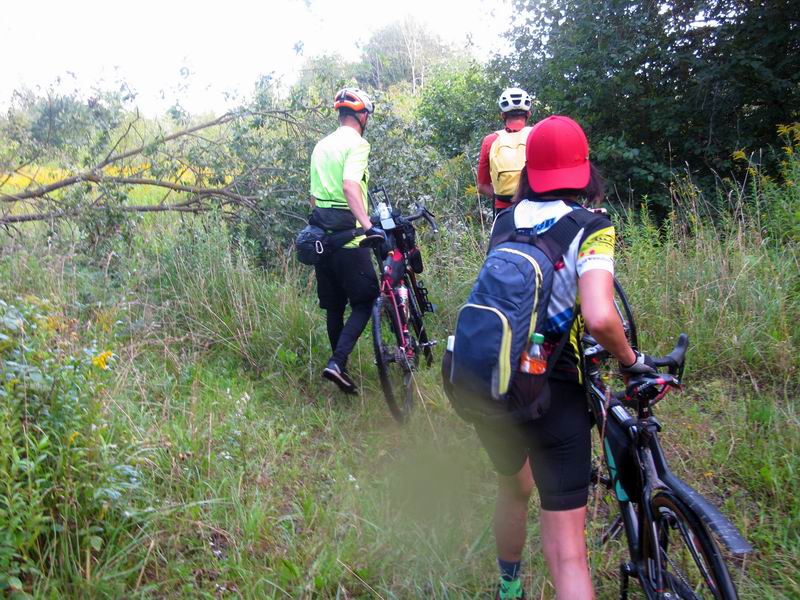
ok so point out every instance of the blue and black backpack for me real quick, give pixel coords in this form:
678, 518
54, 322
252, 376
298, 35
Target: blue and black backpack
507, 304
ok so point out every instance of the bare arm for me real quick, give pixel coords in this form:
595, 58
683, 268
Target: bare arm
355, 201
596, 288
486, 189
313, 202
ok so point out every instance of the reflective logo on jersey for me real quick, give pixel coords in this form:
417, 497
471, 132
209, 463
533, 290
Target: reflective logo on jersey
538, 228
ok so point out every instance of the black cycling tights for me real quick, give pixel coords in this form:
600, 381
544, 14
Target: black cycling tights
343, 336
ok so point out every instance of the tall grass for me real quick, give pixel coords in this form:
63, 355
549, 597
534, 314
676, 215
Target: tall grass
254, 478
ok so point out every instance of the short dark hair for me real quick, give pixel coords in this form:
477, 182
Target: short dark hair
515, 113
346, 111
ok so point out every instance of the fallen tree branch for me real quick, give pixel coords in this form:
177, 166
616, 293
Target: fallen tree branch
190, 207
93, 174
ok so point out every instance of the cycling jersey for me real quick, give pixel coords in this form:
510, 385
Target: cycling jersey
341, 155
592, 248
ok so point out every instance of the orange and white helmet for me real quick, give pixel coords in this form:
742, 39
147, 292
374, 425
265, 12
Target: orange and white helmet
353, 98
514, 99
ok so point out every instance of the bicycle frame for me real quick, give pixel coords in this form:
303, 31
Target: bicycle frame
388, 292
397, 259
653, 475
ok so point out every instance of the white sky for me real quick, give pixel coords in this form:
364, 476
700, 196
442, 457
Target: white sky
195, 51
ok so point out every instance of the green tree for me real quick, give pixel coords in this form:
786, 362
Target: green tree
660, 85
401, 51
458, 105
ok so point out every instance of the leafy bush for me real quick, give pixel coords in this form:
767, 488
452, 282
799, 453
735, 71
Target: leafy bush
64, 483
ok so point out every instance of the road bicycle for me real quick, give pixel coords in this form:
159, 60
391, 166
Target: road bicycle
670, 529
398, 330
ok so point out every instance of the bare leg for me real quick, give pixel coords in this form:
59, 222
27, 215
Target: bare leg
564, 547
511, 510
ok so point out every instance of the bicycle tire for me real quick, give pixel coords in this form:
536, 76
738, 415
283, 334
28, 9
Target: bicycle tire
626, 314
415, 317
680, 547
395, 370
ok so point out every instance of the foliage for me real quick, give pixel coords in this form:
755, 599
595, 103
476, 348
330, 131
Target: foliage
459, 104
661, 84
209, 459
403, 51
65, 482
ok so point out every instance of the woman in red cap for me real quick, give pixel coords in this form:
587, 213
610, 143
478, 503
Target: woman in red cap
554, 451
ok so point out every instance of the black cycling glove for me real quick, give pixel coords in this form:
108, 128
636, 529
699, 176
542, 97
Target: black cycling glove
643, 365
374, 233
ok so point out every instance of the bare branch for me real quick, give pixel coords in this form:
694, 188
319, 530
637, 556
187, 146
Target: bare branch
189, 206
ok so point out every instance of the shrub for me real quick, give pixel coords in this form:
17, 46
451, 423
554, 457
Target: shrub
64, 483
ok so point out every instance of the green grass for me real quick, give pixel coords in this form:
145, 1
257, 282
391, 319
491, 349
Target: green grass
256, 479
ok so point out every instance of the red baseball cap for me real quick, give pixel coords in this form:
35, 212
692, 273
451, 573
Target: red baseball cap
557, 155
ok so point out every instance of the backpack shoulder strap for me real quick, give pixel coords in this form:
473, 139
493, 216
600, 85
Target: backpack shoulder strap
503, 228
556, 241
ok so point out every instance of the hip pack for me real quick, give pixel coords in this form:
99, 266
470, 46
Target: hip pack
508, 303
317, 241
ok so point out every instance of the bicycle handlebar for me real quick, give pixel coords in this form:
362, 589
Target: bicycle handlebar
424, 213
675, 360
653, 387
649, 387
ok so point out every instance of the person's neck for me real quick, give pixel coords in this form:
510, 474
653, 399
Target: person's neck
353, 123
516, 123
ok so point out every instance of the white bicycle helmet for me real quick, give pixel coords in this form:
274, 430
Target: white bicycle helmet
514, 99
354, 99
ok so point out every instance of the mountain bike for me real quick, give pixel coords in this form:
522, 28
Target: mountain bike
398, 329
670, 529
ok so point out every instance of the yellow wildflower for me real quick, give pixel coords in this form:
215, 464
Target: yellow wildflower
101, 360
739, 155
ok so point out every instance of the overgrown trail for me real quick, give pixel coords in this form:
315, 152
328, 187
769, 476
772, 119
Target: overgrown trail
210, 459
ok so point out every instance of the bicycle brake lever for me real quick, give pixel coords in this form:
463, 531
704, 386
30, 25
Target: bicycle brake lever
429, 217
651, 387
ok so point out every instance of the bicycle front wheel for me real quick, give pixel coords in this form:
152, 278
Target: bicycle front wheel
395, 366
681, 557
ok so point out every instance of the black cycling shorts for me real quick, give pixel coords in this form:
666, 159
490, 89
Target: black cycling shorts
558, 446
347, 275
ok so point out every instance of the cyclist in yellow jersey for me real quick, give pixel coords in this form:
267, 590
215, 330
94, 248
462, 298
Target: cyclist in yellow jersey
339, 178
502, 154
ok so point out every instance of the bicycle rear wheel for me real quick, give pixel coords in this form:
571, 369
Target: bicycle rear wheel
395, 367
682, 554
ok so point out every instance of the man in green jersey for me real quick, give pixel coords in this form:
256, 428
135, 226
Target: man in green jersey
339, 178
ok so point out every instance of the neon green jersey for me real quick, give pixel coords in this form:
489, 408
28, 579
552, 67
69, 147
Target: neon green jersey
339, 156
